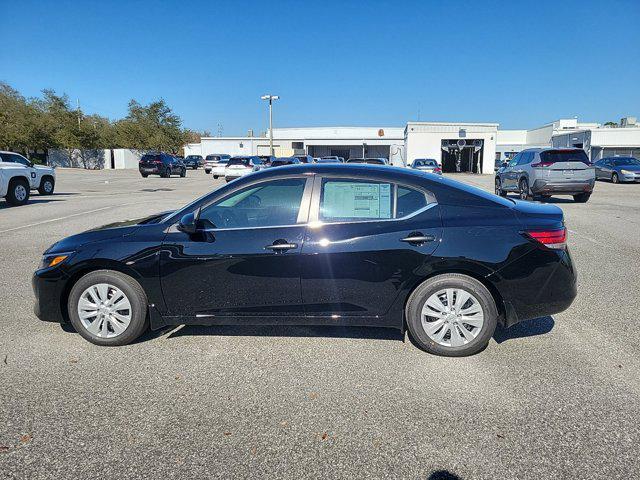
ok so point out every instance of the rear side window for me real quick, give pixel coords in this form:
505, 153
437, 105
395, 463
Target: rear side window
553, 156
409, 201
348, 200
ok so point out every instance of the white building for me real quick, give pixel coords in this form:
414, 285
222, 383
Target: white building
458, 147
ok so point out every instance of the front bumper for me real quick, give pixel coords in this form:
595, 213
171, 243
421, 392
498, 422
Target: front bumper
48, 286
629, 177
543, 187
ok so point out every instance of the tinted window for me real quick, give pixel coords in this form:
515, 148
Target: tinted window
525, 158
375, 161
150, 158
213, 157
424, 163
620, 162
267, 204
409, 201
344, 200
13, 158
552, 156
239, 161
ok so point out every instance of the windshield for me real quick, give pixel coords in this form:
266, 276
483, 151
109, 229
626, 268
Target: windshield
424, 163
630, 161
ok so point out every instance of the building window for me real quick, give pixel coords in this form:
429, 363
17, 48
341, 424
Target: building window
297, 145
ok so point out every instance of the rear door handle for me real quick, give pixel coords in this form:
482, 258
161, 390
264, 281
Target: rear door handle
280, 247
418, 238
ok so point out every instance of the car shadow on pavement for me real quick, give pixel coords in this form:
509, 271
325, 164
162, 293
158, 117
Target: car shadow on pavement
288, 331
528, 328
443, 475
31, 202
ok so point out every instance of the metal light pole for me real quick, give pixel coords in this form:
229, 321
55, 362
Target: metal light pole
271, 98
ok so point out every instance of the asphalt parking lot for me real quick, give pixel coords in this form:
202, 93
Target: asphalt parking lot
554, 397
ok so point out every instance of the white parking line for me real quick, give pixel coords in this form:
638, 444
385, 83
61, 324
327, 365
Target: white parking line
64, 218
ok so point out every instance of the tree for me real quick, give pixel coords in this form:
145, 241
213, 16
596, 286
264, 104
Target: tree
611, 124
152, 126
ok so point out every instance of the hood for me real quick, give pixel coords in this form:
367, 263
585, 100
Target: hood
105, 232
631, 168
43, 167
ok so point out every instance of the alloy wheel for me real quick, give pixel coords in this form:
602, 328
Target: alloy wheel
104, 310
48, 186
20, 192
452, 317
524, 190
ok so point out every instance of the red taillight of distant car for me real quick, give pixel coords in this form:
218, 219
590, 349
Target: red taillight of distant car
556, 239
437, 170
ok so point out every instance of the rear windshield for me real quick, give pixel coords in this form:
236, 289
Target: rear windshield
240, 161
150, 158
553, 156
213, 157
374, 161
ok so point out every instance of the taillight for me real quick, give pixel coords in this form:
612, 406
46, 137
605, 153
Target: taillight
437, 169
550, 238
542, 164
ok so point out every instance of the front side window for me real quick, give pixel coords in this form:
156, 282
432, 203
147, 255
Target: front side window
348, 200
13, 158
268, 204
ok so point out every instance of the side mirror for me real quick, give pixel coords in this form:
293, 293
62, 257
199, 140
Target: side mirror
189, 223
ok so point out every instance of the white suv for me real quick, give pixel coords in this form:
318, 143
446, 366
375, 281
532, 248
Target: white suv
18, 175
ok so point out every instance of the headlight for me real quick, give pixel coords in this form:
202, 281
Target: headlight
53, 259
626, 172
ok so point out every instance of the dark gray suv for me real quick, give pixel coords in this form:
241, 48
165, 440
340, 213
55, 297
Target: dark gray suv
543, 172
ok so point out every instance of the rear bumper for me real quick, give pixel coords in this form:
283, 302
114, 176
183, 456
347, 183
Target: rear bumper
150, 170
542, 186
540, 284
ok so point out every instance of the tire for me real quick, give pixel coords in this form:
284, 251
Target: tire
18, 192
183, 172
499, 190
167, 172
615, 178
144, 175
478, 337
582, 197
215, 177
47, 185
137, 311
207, 171
523, 189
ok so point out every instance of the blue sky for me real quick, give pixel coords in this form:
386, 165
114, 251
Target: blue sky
333, 63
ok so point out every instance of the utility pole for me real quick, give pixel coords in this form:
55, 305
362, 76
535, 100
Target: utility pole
271, 98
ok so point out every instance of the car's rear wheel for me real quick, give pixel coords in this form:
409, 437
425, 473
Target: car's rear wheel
615, 178
47, 185
215, 177
582, 197
451, 315
183, 172
523, 189
167, 172
108, 308
18, 192
499, 190
144, 175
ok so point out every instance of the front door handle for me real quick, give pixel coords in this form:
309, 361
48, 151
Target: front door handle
418, 238
281, 247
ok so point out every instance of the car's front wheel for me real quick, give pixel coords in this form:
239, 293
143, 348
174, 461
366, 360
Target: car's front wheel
615, 178
183, 172
499, 190
108, 308
452, 315
46, 186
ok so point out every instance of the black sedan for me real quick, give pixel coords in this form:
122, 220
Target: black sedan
319, 245
193, 161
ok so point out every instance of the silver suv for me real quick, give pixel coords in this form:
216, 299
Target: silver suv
542, 172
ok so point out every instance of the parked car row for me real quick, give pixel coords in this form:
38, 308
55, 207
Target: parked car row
18, 176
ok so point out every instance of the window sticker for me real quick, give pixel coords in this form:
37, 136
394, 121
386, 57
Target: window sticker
356, 200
